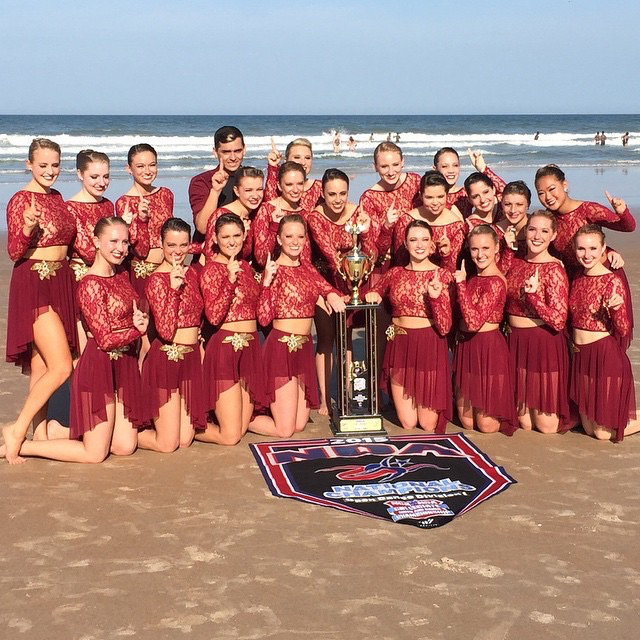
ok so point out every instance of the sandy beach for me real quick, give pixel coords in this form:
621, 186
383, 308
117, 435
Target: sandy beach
192, 544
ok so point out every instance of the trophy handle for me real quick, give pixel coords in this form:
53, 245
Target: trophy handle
338, 260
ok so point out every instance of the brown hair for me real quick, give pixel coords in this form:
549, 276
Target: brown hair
288, 166
543, 213
385, 146
590, 229
104, 223
483, 230
43, 143
87, 156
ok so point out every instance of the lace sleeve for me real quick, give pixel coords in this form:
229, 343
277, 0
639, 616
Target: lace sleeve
479, 302
266, 311
138, 230
17, 242
321, 285
441, 306
271, 184
498, 182
383, 285
217, 292
94, 303
599, 214
164, 302
552, 305
620, 317
457, 236
264, 233
384, 239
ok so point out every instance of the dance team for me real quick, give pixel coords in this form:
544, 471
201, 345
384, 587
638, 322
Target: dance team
517, 320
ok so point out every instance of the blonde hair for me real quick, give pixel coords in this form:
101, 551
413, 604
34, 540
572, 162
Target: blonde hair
43, 143
298, 142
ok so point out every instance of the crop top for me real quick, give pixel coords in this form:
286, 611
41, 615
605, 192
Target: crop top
107, 309
481, 299
587, 300
225, 301
549, 303
293, 293
55, 228
86, 215
174, 309
409, 296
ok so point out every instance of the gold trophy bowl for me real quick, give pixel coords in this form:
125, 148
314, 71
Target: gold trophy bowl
354, 266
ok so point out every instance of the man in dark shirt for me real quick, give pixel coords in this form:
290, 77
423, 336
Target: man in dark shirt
214, 188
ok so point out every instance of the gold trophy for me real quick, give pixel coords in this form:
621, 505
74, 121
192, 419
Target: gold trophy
354, 266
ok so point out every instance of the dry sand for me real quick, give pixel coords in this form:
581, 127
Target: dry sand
192, 544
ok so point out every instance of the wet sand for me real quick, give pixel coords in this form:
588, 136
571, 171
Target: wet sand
192, 544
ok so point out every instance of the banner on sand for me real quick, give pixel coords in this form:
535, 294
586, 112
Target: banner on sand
421, 480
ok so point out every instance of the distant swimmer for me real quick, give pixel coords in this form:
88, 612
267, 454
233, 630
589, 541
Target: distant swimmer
389, 137
603, 138
537, 135
336, 142
625, 139
397, 138
371, 137
596, 138
352, 144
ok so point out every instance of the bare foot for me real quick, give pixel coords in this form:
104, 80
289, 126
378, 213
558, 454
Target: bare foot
12, 444
323, 410
57, 431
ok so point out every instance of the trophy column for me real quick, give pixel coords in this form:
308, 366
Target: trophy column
355, 410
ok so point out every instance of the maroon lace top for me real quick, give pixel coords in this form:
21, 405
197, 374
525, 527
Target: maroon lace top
409, 297
461, 199
293, 293
107, 309
481, 299
86, 214
310, 197
330, 238
174, 308
225, 301
160, 209
587, 304
264, 233
549, 303
209, 241
56, 226
587, 212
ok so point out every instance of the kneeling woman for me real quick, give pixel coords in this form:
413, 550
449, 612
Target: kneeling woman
290, 290
172, 371
232, 358
483, 380
416, 363
601, 381
106, 397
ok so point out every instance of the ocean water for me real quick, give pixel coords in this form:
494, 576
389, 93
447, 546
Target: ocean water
184, 146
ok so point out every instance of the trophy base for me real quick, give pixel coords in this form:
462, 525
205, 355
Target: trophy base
354, 426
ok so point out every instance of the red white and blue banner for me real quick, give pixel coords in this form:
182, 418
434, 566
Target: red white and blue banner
422, 480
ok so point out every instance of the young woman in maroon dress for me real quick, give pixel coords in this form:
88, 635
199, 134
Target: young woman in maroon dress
416, 362
291, 181
483, 379
290, 290
447, 226
484, 202
537, 301
299, 150
327, 231
172, 371
512, 228
87, 207
447, 162
41, 322
233, 358
106, 396
601, 382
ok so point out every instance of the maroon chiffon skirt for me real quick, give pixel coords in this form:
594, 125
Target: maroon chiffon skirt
98, 377
281, 364
165, 372
540, 363
601, 384
418, 360
230, 357
29, 297
483, 376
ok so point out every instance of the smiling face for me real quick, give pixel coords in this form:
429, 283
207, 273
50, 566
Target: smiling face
540, 235
113, 243
291, 239
143, 168
231, 154
292, 186
483, 249
434, 199
449, 166
229, 239
589, 249
335, 193
482, 196
95, 178
418, 243
389, 165
514, 207
250, 192
175, 246
302, 155
44, 167
551, 192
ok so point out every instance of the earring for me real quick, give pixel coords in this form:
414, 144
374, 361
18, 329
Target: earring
566, 189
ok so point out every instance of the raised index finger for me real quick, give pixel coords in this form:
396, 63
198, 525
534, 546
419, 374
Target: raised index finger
273, 144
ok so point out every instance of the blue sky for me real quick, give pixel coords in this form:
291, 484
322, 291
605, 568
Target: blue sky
324, 57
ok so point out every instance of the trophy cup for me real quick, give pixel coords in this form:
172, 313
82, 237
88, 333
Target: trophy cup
355, 411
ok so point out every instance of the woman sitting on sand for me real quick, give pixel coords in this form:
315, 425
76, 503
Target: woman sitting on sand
41, 319
106, 396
